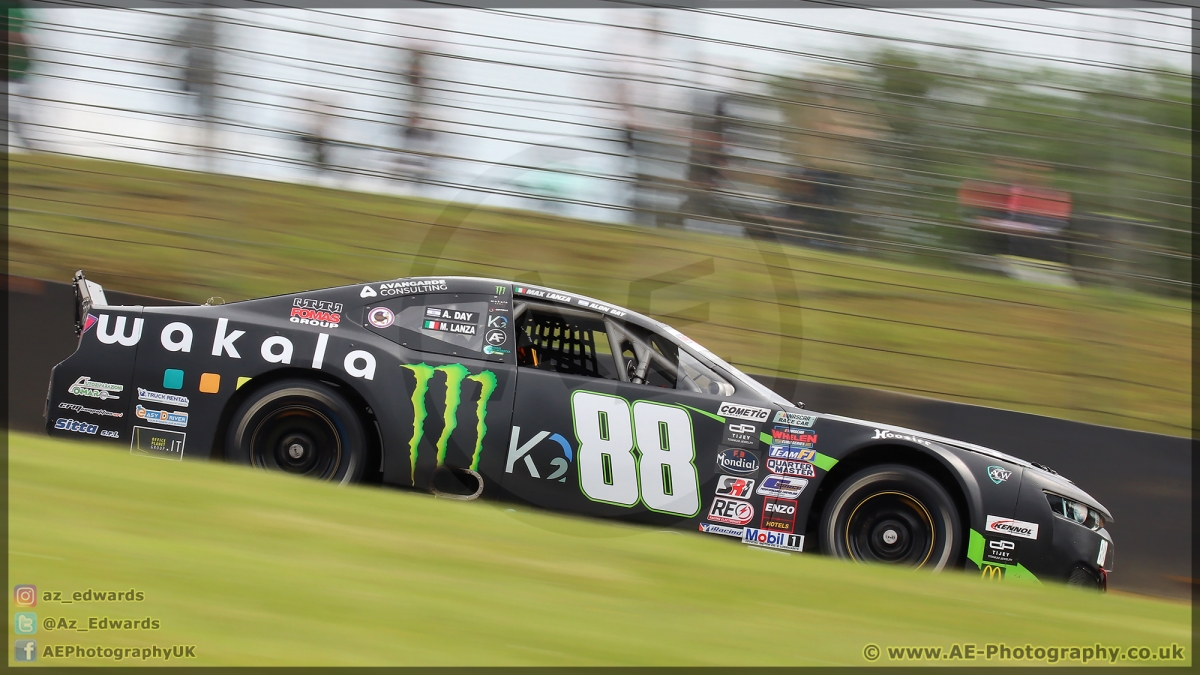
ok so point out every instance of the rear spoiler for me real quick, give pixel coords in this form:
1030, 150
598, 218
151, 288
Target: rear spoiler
88, 294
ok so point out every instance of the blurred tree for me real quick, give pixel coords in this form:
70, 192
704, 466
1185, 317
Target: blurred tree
18, 64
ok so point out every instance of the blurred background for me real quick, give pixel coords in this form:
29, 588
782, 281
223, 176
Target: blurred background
980, 205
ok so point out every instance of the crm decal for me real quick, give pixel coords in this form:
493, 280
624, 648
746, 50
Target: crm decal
455, 374
522, 452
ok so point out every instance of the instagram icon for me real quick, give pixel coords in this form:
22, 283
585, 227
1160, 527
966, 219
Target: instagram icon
25, 595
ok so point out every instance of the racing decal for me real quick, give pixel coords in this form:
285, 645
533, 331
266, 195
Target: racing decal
795, 419
85, 386
885, 434
1000, 551
795, 454
174, 419
65, 424
766, 538
732, 486
741, 433
322, 313
998, 474
661, 475
743, 412
160, 443
731, 511
76, 408
455, 374
721, 529
779, 514
380, 317
1015, 528
737, 462
521, 452
787, 487
117, 335
790, 468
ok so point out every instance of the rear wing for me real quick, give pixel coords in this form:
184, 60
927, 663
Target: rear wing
88, 294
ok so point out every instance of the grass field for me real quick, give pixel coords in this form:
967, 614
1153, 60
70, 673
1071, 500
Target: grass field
256, 568
1107, 357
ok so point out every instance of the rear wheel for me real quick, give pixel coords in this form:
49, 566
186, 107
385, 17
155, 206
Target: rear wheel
299, 427
892, 514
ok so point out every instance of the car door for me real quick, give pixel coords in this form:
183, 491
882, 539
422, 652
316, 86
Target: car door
639, 447
457, 372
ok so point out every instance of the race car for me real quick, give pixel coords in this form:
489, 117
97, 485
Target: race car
470, 387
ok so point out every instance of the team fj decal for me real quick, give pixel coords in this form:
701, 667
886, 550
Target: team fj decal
174, 419
779, 514
165, 399
892, 435
795, 419
795, 454
735, 487
787, 487
731, 511
65, 424
159, 443
790, 468
76, 408
86, 386
517, 451
737, 462
321, 313
769, 539
1000, 551
998, 474
1014, 528
721, 529
744, 434
743, 412
380, 317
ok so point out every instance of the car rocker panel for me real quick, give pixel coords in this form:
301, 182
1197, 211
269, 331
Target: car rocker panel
431, 363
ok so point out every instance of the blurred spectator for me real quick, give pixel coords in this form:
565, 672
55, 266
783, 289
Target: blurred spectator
315, 137
417, 138
19, 62
199, 39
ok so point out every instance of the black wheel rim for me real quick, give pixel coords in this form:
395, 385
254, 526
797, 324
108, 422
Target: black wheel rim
297, 439
890, 527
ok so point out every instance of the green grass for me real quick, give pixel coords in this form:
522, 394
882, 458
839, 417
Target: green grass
1108, 357
257, 568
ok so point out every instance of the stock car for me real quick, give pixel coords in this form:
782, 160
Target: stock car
470, 387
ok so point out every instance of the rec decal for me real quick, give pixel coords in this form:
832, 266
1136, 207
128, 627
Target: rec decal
731, 511
743, 412
1014, 528
737, 462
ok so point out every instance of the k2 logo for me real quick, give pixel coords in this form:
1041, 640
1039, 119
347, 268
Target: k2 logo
522, 452
455, 374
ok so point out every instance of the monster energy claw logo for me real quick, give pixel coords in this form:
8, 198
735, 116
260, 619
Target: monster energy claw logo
455, 374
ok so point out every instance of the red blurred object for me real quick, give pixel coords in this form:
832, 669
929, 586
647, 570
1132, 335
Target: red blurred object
1016, 208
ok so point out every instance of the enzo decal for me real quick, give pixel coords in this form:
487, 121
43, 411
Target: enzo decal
455, 374
1015, 528
732, 511
782, 540
788, 487
779, 514
516, 452
662, 475
743, 412
84, 386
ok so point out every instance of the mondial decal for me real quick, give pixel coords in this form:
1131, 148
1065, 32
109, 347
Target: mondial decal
455, 374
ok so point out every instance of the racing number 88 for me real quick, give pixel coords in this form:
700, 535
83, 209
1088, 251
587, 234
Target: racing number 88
663, 474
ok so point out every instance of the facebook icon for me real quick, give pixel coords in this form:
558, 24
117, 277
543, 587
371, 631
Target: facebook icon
25, 650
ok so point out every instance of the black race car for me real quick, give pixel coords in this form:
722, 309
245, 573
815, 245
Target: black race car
475, 387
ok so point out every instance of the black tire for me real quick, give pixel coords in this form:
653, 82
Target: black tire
300, 427
1082, 577
892, 514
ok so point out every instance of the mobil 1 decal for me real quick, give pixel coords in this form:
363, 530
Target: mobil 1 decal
640, 453
449, 413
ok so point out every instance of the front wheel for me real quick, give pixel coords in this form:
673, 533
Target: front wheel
892, 514
299, 427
